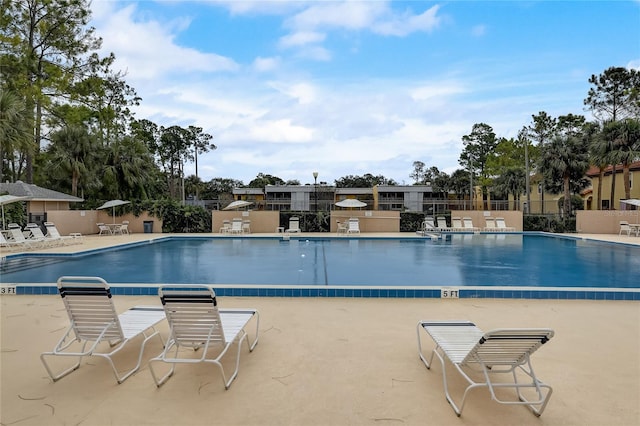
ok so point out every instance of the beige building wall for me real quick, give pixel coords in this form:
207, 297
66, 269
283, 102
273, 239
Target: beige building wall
369, 220
604, 221
84, 221
262, 221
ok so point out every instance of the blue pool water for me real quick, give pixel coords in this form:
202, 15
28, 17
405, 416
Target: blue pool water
458, 260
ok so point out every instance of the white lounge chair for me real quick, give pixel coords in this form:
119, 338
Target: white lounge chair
456, 224
427, 226
354, 226
294, 225
502, 225
441, 223
53, 233
36, 234
10, 244
196, 322
490, 224
16, 236
490, 354
467, 225
95, 323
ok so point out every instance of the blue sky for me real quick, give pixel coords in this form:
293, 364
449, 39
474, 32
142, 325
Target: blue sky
353, 87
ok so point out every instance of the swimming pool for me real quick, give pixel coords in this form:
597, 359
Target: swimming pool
492, 263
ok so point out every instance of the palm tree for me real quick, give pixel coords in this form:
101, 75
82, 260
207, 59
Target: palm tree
72, 150
512, 181
565, 158
128, 169
624, 137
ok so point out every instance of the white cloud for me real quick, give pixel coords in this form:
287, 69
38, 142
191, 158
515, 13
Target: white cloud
407, 23
635, 63
478, 30
140, 43
301, 38
304, 93
265, 64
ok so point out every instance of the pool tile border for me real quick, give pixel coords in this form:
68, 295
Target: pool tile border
550, 293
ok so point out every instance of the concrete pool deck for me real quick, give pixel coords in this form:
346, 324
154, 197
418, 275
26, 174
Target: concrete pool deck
328, 361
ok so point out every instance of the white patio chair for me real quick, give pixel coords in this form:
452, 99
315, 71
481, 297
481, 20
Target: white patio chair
490, 224
501, 225
342, 227
503, 351
226, 226
196, 322
427, 225
236, 227
467, 225
456, 224
124, 227
36, 234
441, 223
624, 228
96, 324
294, 225
354, 226
11, 244
16, 236
53, 233
104, 229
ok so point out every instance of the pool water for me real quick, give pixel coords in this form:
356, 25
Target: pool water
458, 260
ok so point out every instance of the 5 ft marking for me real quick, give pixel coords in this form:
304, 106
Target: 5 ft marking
449, 293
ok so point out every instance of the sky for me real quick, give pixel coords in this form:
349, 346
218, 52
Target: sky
288, 88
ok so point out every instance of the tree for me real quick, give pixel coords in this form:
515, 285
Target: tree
43, 45
14, 134
128, 170
219, 187
623, 138
598, 154
366, 181
615, 94
565, 158
478, 146
418, 172
72, 151
263, 180
459, 183
541, 130
201, 143
511, 181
